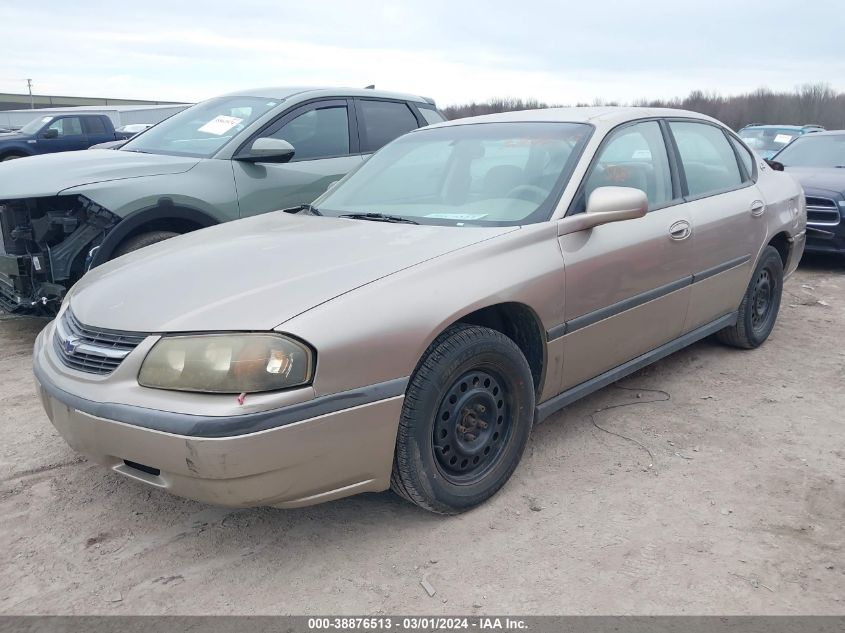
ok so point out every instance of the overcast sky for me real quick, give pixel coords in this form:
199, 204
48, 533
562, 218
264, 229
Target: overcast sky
454, 51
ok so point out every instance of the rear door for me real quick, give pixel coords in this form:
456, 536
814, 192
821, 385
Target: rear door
69, 136
324, 137
97, 130
627, 284
382, 120
728, 212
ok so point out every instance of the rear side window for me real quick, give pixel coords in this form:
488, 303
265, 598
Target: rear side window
707, 158
317, 133
383, 122
95, 125
430, 115
634, 156
745, 157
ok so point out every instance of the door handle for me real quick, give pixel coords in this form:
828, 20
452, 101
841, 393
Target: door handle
757, 208
680, 230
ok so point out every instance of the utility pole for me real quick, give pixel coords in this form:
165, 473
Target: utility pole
31, 101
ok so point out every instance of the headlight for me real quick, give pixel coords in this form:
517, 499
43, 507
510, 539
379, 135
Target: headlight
227, 363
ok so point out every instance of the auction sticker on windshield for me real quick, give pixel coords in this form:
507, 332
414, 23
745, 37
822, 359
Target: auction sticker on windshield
220, 125
457, 216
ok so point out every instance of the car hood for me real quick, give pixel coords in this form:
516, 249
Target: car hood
819, 178
13, 136
257, 273
49, 174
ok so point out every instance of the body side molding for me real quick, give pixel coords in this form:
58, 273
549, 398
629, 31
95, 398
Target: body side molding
554, 404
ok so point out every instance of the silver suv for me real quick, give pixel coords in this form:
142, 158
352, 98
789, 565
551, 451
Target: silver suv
226, 158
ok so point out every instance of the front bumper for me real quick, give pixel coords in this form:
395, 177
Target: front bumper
826, 239
314, 459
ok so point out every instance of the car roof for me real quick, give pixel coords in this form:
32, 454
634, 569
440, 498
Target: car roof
773, 126
307, 92
825, 133
605, 116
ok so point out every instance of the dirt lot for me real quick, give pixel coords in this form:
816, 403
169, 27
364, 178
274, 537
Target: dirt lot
742, 510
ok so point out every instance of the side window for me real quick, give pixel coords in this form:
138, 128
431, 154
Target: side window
95, 125
708, 160
745, 156
317, 133
67, 126
430, 115
383, 122
634, 156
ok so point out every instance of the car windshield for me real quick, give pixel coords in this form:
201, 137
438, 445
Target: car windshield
203, 129
493, 174
814, 150
36, 124
767, 139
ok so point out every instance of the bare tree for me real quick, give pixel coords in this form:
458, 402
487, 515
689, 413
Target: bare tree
810, 103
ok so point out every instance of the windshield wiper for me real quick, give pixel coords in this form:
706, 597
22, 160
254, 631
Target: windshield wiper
137, 151
379, 217
303, 207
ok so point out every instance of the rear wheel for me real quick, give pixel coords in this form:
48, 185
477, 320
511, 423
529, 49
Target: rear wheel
141, 240
760, 304
465, 422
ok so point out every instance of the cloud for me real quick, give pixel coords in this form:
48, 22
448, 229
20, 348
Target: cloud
452, 51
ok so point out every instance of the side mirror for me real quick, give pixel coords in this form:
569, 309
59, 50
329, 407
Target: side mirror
775, 165
607, 204
51, 133
268, 150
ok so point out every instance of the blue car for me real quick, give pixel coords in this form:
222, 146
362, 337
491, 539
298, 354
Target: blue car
768, 140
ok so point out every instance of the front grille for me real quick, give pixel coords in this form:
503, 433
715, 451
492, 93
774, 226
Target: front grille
822, 211
92, 350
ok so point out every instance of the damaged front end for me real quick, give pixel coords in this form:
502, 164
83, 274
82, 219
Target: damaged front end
46, 245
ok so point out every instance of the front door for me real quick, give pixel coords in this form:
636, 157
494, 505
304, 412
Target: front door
728, 212
325, 150
627, 284
69, 136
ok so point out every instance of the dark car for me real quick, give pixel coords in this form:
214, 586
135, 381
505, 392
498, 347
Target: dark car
58, 133
817, 161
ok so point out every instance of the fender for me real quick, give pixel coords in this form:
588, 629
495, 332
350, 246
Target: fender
165, 210
15, 147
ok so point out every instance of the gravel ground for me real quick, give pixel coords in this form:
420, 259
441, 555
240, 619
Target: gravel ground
740, 512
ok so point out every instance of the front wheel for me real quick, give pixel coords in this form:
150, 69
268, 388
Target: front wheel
465, 422
137, 242
760, 304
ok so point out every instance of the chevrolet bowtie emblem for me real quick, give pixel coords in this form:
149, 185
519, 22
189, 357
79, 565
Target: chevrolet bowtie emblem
70, 344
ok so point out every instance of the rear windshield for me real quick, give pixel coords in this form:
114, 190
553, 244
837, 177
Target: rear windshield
768, 139
493, 174
203, 129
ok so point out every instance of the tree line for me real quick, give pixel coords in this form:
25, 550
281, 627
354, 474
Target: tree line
813, 103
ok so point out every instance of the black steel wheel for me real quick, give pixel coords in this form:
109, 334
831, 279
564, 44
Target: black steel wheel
465, 422
760, 304
472, 426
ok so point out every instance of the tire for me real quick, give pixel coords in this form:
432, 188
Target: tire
760, 304
465, 422
140, 241
11, 157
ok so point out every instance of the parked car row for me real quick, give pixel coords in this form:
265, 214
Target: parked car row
406, 328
